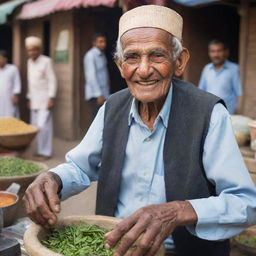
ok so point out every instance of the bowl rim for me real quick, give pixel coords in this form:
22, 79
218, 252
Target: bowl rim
22, 133
12, 194
45, 167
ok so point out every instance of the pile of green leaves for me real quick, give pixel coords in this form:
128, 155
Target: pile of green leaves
249, 241
82, 240
12, 166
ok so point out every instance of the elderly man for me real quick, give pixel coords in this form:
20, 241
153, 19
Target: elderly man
10, 87
163, 153
42, 86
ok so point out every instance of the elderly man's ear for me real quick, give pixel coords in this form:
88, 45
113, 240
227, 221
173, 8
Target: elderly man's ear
181, 62
119, 65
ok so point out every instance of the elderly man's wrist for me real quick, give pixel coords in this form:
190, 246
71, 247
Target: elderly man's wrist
58, 180
186, 214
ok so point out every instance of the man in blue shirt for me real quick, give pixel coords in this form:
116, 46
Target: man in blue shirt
163, 153
221, 77
96, 74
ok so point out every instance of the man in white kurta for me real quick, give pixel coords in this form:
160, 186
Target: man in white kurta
10, 88
42, 87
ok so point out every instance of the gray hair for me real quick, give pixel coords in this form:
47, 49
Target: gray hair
176, 48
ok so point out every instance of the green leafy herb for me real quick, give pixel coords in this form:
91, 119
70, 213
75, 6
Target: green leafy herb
82, 240
249, 241
12, 166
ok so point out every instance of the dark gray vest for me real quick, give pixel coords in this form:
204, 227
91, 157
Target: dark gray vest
184, 173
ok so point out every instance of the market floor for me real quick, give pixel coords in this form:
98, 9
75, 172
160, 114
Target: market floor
84, 203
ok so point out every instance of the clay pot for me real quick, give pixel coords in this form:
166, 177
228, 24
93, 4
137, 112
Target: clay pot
23, 181
252, 127
246, 249
35, 233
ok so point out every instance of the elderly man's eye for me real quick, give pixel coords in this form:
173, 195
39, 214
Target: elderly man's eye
158, 57
133, 58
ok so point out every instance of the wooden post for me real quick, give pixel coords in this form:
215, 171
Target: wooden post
243, 11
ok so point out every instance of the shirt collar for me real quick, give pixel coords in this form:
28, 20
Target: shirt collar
164, 113
224, 66
97, 50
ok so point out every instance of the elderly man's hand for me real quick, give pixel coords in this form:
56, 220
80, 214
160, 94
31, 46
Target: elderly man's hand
149, 227
41, 199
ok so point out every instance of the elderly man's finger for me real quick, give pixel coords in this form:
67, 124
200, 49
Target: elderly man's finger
111, 238
155, 246
33, 213
51, 189
147, 239
132, 236
42, 207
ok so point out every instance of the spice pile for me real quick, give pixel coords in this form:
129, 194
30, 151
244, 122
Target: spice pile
12, 166
10, 125
78, 240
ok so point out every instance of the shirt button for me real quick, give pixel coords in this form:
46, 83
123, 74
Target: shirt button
148, 139
145, 173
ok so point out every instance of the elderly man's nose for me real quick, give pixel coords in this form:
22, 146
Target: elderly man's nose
144, 68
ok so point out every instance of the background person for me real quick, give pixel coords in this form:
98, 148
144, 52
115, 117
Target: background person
10, 87
221, 77
96, 74
42, 87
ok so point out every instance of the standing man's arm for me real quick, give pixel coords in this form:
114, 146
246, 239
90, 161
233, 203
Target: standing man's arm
202, 81
52, 84
92, 79
16, 86
237, 87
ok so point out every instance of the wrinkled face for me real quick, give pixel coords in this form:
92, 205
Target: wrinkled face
148, 65
33, 52
217, 53
100, 42
3, 61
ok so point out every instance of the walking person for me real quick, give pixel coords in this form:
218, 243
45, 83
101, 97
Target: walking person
221, 77
10, 87
42, 87
96, 74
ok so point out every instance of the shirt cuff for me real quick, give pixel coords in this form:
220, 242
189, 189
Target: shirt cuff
209, 226
70, 185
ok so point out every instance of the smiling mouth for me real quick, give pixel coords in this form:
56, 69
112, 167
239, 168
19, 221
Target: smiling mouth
146, 83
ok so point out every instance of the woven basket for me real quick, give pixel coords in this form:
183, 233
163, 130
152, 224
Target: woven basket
24, 181
246, 249
35, 233
17, 141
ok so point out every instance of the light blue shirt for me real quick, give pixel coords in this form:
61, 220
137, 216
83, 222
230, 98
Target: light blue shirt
96, 74
142, 183
224, 83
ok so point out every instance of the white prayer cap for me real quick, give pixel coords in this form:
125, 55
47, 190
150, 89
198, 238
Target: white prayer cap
33, 41
153, 16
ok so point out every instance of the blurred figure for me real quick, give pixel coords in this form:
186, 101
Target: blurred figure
221, 77
42, 87
96, 74
10, 87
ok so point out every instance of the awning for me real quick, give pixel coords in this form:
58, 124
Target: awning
45, 7
195, 2
8, 8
